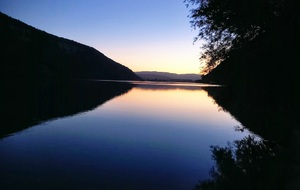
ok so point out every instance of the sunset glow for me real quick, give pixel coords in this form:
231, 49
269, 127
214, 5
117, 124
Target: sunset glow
151, 35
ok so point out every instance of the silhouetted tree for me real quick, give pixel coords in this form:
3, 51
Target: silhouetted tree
257, 45
226, 25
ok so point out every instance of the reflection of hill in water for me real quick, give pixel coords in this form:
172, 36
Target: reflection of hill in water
25, 105
169, 85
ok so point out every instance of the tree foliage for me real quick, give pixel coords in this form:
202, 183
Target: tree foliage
226, 25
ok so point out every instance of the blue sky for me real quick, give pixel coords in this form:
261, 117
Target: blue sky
144, 35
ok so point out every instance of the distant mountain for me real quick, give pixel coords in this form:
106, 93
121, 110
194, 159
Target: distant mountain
29, 53
165, 76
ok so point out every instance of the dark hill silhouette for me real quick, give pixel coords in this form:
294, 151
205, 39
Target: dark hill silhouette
29, 53
165, 76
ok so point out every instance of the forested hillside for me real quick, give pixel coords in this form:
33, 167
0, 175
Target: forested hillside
29, 53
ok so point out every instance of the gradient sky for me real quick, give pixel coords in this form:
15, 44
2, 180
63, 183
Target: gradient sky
144, 35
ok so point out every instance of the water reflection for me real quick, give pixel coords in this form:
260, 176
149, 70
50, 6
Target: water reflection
252, 163
30, 104
174, 103
249, 163
172, 85
148, 138
262, 114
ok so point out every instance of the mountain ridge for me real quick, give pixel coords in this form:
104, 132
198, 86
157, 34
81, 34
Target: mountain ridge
32, 53
167, 76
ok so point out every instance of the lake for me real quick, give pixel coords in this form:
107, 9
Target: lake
146, 135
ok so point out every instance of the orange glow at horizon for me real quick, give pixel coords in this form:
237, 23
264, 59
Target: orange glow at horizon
177, 57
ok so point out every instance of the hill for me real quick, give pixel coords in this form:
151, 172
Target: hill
165, 76
29, 53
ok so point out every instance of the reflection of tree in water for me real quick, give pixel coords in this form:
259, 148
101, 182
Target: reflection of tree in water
248, 163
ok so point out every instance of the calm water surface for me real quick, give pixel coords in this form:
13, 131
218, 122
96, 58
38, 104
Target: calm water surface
155, 136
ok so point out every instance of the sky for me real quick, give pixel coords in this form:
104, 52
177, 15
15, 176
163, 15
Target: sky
144, 35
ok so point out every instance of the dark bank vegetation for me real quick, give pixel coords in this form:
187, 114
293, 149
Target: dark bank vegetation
32, 54
251, 47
